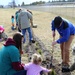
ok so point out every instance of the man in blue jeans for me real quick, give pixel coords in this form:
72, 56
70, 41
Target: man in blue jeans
24, 20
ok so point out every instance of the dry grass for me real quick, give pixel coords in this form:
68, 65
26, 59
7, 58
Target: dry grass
43, 30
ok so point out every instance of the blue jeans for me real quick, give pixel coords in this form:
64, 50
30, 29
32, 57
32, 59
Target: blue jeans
24, 33
23, 72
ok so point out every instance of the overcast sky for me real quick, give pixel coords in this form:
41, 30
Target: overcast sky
5, 2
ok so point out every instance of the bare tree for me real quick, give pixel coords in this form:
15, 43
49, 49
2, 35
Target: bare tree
23, 4
13, 4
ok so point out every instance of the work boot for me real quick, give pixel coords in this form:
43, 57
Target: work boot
65, 68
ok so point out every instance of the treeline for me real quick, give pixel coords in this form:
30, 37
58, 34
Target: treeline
34, 3
63, 1
13, 4
37, 3
43, 2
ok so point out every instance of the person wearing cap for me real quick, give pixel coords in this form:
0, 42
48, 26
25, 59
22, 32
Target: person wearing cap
10, 56
66, 31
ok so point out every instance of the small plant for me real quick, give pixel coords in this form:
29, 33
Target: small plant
53, 72
40, 52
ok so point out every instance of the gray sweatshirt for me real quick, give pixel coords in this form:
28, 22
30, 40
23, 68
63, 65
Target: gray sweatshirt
24, 19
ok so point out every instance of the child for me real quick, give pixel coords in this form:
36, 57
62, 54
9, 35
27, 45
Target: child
34, 68
3, 36
12, 20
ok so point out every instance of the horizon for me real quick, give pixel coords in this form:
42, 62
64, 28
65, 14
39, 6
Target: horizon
6, 2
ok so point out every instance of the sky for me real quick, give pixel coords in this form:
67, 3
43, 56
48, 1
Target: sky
5, 2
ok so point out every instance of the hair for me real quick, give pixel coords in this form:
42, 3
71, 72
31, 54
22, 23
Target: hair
17, 37
36, 58
29, 11
19, 10
57, 21
12, 16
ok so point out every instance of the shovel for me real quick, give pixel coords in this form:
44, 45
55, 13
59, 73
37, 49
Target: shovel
51, 64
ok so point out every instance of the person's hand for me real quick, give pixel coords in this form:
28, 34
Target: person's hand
53, 72
54, 43
50, 70
22, 52
53, 33
23, 64
1, 31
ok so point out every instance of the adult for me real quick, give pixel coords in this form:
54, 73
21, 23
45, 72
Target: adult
16, 18
24, 19
66, 31
10, 56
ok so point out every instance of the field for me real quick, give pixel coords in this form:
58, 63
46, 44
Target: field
43, 30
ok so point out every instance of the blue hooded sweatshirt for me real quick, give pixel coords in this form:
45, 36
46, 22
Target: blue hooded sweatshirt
65, 30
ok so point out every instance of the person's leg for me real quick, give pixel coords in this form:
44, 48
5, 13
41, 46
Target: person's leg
62, 51
22, 72
23, 32
67, 47
12, 24
19, 29
62, 46
30, 34
16, 25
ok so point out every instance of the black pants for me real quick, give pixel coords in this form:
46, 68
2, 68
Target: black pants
23, 72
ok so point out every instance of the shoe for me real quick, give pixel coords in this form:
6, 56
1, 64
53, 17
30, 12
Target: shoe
65, 69
33, 41
13, 28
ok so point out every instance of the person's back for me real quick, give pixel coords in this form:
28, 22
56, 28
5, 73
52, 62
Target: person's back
34, 67
24, 19
8, 54
5, 61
